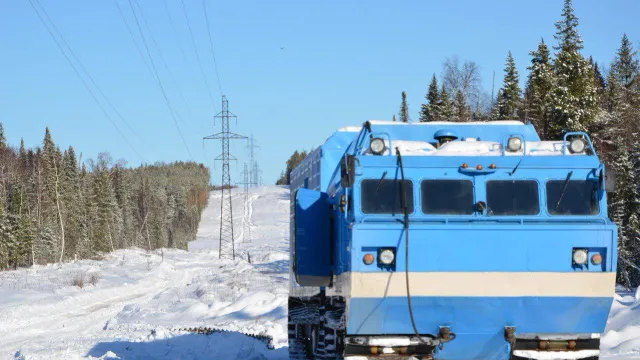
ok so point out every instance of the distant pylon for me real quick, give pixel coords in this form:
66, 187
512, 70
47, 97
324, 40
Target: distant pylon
253, 164
246, 223
227, 244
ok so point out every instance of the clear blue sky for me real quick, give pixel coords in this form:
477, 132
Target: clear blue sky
342, 63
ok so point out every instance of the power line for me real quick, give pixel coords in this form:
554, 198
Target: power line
95, 98
164, 94
177, 38
213, 54
133, 38
164, 62
86, 72
193, 41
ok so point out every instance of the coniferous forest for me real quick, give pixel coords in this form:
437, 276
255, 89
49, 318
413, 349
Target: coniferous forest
54, 207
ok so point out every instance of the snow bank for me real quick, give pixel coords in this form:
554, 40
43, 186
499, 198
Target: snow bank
137, 305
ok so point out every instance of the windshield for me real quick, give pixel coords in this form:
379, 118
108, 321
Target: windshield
383, 196
512, 197
447, 197
580, 197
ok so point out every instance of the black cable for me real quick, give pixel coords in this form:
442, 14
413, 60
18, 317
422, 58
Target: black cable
405, 210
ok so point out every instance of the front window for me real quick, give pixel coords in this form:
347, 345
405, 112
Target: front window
512, 197
386, 196
447, 197
573, 197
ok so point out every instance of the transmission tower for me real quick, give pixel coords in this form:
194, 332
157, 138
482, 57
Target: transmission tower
253, 164
227, 245
246, 225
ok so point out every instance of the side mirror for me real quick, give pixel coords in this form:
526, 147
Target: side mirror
609, 180
347, 170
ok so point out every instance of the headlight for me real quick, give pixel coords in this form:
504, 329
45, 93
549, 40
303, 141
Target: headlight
386, 257
377, 146
514, 144
576, 146
580, 256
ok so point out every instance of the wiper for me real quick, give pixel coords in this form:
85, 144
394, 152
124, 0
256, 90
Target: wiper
515, 168
564, 188
380, 181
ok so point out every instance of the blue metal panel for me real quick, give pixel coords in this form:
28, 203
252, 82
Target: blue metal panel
312, 261
486, 247
478, 322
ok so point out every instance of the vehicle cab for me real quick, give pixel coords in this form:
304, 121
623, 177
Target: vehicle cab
464, 241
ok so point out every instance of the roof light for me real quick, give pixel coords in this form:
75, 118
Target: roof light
492, 166
577, 145
377, 146
367, 259
514, 144
478, 167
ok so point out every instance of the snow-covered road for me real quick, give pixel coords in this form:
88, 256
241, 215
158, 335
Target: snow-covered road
134, 305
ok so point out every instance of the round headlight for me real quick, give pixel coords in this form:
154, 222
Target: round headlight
377, 146
514, 144
386, 257
580, 256
577, 145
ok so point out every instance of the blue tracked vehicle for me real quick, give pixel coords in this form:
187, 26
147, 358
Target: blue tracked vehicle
450, 241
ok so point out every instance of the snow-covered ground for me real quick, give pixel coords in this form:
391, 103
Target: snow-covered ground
135, 305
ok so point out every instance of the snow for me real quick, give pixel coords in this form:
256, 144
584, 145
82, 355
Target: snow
621, 339
136, 305
553, 355
474, 147
448, 123
141, 302
407, 147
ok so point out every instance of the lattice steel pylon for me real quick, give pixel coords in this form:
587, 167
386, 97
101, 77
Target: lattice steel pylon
253, 164
227, 244
246, 220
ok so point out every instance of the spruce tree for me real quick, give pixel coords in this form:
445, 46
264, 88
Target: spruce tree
540, 85
3, 139
460, 109
430, 111
393, 118
444, 103
575, 94
508, 104
403, 114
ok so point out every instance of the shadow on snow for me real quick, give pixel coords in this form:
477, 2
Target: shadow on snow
226, 345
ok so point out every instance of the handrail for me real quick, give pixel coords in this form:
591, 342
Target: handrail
584, 134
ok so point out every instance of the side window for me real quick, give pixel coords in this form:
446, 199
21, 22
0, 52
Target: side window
385, 197
512, 197
447, 197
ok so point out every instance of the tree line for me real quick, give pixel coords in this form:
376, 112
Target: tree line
54, 207
294, 160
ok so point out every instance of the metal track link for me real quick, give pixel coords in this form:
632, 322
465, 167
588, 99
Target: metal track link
202, 330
